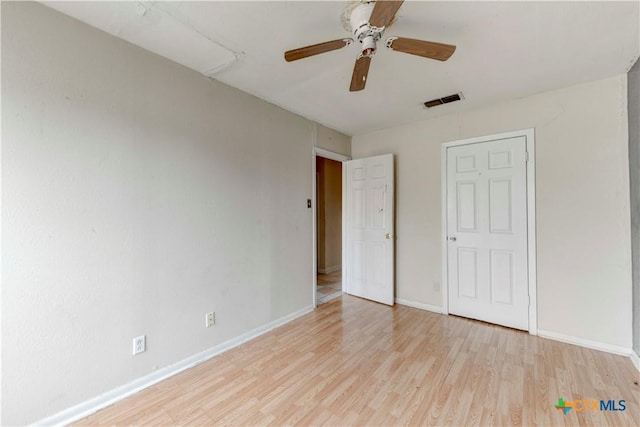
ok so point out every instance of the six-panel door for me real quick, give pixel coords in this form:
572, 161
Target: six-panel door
369, 228
487, 231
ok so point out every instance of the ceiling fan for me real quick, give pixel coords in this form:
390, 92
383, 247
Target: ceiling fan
367, 22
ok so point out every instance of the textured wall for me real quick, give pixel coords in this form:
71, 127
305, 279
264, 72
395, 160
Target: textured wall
634, 172
582, 190
137, 195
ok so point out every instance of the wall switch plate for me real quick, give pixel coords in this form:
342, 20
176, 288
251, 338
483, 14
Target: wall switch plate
210, 319
139, 344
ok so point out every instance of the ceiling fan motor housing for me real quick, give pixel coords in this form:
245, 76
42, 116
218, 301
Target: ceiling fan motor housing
362, 30
360, 20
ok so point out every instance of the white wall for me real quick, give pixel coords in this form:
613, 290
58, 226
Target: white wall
582, 190
137, 195
633, 94
332, 140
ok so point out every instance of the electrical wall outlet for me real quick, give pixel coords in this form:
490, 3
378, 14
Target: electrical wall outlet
139, 344
210, 319
436, 286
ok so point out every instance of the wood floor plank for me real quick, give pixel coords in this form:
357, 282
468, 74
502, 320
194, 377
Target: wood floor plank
355, 362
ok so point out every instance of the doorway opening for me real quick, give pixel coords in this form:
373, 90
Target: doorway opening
329, 229
328, 218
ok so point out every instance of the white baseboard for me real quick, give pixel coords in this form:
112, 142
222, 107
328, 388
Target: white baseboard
330, 270
90, 406
635, 359
596, 345
420, 305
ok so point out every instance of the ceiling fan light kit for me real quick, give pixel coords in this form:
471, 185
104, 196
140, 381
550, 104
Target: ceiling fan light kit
367, 22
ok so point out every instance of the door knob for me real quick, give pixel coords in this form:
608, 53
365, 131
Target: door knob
452, 238
388, 235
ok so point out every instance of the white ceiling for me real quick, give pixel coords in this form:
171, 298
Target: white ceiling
505, 50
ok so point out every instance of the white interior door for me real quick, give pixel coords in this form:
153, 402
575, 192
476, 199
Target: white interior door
487, 232
369, 228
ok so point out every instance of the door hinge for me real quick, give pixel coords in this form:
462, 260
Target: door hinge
526, 156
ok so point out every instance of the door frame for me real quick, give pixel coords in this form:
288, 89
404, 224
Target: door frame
320, 152
529, 136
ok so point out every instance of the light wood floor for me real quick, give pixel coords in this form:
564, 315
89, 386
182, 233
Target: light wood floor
329, 286
354, 362
330, 278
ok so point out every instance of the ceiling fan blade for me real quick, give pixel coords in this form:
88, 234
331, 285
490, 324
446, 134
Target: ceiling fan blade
431, 50
360, 72
384, 11
315, 49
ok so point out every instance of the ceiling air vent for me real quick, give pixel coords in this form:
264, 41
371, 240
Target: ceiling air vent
444, 100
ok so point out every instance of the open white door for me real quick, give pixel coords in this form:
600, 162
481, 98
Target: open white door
369, 271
